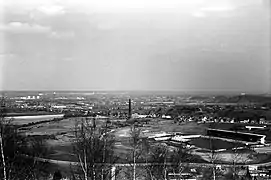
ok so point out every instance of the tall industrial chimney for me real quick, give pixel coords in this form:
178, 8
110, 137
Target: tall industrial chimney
130, 110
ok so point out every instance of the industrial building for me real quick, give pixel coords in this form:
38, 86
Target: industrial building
235, 135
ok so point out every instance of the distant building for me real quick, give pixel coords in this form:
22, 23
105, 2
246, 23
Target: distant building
136, 115
161, 136
59, 106
166, 116
184, 138
255, 127
262, 121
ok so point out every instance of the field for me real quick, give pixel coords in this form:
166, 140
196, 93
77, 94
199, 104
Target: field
60, 147
170, 127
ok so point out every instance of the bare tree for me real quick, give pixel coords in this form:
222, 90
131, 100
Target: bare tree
2, 124
138, 154
94, 151
157, 169
213, 157
135, 144
236, 158
162, 161
180, 160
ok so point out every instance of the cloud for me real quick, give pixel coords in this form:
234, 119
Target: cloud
4, 59
68, 59
61, 35
217, 8
224, 8
199, 14
52, 10
108, 25
20, 27
128, 6
6, 55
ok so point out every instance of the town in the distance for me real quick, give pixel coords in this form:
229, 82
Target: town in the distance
135, 135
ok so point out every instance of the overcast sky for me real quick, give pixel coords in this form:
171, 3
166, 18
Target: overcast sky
216, 45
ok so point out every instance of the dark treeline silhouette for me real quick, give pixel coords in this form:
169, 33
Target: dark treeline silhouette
14, 163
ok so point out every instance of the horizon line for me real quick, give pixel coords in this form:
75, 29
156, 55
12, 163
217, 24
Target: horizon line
159, 91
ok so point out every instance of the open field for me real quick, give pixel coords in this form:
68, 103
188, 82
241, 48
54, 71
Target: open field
60, 147
185, 128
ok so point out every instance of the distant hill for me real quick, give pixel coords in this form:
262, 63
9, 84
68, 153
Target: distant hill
242, 99
199, 98
220, 99
250, 99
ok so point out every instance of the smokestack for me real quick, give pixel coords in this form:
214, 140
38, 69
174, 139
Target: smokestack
130, 109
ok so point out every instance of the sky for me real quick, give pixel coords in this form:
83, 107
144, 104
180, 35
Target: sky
161, 45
